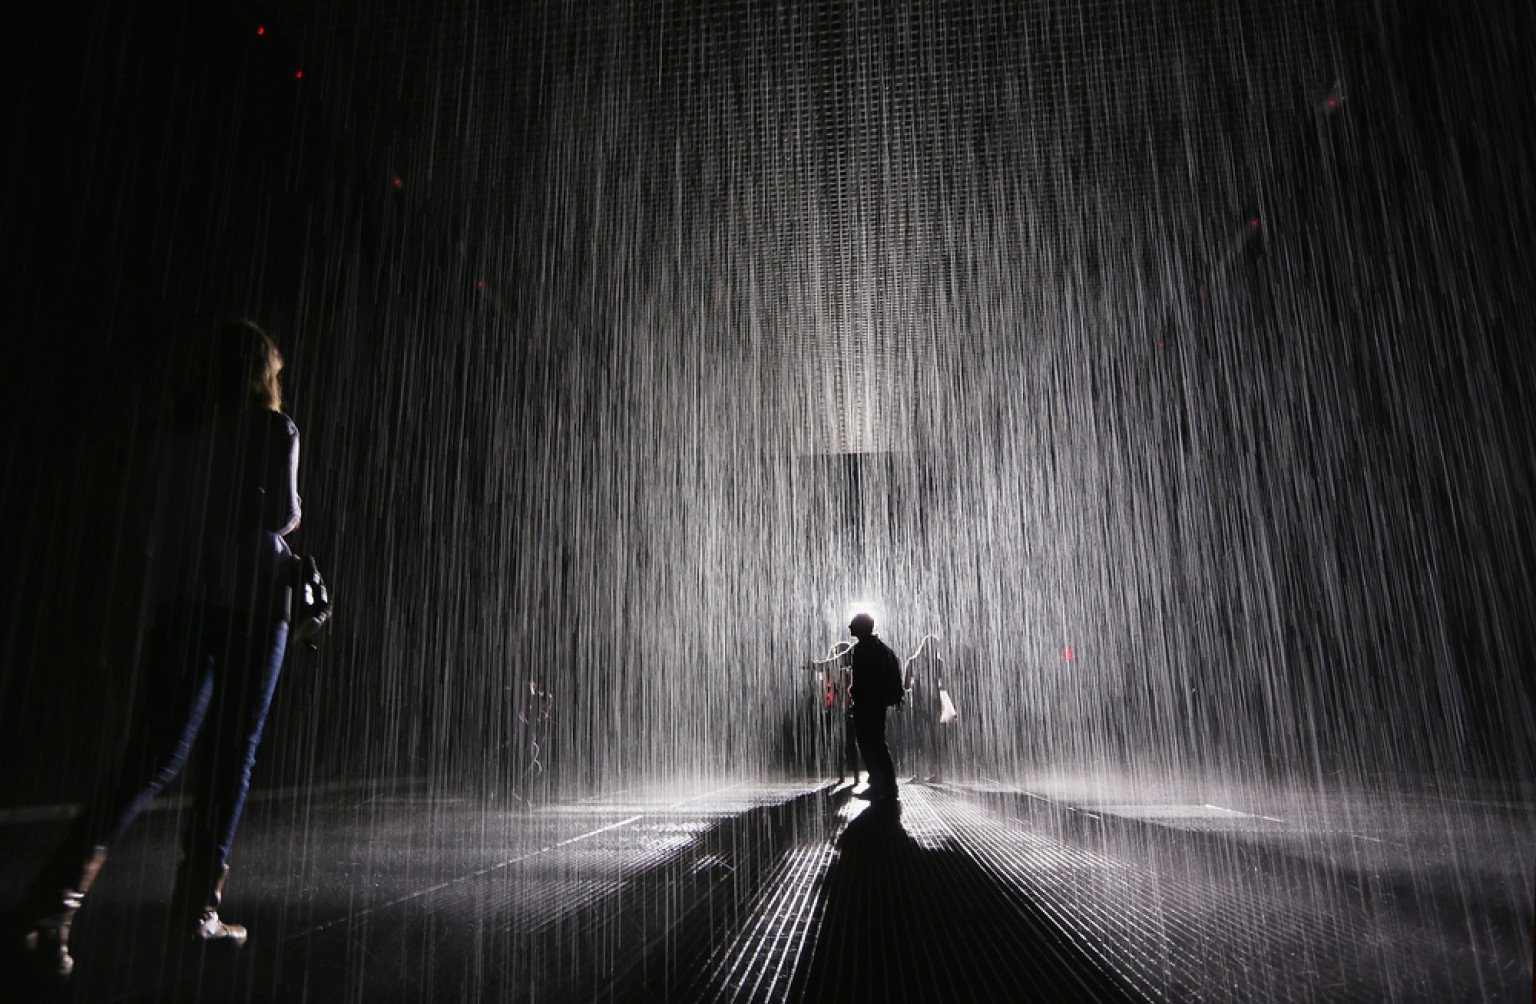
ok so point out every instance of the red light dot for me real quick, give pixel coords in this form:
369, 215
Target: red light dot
1066, 653
397, 182
1253, 223
298, 74
1333, 101
260, 30
480, 283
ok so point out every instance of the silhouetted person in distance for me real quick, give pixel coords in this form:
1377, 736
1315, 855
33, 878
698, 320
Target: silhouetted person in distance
528, 721
844, 737
924, 683
876, 685
835, 701
220, 574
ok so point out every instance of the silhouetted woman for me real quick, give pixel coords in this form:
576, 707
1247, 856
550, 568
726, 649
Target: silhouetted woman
221, 577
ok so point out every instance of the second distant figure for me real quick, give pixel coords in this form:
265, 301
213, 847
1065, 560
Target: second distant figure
877, 685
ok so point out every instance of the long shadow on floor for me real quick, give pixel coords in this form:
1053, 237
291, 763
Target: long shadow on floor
904, 922
606, 931
901, 922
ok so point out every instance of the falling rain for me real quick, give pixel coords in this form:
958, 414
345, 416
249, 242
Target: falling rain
1158, 378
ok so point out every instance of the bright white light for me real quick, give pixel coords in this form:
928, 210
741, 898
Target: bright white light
864, 607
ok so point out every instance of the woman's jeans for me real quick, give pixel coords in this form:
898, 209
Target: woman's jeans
207, 683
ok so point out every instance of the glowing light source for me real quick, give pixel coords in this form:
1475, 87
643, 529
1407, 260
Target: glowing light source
864, 607
1067, 653
260, 30
298, 74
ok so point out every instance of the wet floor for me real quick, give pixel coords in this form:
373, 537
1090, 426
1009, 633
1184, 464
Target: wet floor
804, 891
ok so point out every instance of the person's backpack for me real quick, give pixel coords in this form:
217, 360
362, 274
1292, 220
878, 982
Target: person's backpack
892, 687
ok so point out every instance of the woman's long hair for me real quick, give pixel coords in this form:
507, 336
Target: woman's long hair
235, 371
247, 367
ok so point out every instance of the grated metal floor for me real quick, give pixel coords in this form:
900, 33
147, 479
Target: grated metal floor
804, 892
